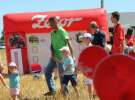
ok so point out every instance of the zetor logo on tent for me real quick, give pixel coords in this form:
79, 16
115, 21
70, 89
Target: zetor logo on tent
40, 21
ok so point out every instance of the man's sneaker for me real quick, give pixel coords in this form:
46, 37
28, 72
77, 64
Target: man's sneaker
50, 93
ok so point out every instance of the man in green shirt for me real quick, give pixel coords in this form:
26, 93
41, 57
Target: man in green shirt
59, 39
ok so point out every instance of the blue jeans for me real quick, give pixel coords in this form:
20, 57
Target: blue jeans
48, 74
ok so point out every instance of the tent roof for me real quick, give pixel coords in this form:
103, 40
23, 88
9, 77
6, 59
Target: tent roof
22, 22
20, 17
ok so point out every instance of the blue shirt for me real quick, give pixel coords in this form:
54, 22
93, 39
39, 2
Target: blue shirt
68, 70
99, 39
14, 80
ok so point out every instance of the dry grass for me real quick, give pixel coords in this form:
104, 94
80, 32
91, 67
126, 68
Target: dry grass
3, 56
32, 89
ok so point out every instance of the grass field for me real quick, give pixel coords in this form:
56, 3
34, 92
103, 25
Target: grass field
32, 89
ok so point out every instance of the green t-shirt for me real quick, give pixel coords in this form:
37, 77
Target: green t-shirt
58, 40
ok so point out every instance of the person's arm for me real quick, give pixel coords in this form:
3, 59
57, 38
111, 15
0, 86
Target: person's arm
2, 80
119, 44
53, 57
121, 35
52, 51
103, 40
70, 47
66, 37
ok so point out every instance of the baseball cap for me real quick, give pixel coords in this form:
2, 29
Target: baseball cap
12, 64
87, 35
65, 48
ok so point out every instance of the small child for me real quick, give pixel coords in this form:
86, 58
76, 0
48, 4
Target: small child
14, 80
1, 77
69, 70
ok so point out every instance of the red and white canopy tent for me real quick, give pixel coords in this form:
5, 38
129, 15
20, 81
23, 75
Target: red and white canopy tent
28, 25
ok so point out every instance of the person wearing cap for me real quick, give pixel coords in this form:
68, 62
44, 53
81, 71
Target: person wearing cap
14, 80
59, 39
118, 37
69, 70
86, 38
99, 36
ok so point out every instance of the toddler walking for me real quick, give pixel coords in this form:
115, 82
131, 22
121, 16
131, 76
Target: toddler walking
69, 70
14, 80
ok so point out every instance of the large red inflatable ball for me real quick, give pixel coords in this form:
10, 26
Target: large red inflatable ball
114, 78
89, 58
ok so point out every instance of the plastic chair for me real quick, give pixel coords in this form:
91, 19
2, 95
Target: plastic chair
36, 70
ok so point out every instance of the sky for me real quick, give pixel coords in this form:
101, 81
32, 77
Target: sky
13, 6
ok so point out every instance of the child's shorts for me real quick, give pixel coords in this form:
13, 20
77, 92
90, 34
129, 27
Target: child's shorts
71, 78
14, 91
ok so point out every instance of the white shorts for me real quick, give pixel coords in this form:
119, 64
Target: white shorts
14, 91
88, 81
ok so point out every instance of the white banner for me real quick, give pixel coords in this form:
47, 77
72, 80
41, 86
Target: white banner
39, 52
